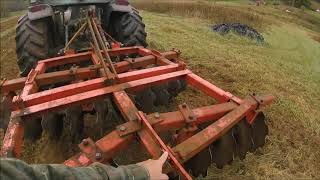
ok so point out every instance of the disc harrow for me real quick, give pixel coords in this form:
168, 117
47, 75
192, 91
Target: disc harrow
128, 93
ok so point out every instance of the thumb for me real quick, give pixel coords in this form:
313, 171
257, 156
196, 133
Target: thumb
163, 158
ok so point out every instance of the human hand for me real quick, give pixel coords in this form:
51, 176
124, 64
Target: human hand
155, 167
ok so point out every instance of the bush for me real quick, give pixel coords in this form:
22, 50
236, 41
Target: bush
299, 3
12, 5
3, 10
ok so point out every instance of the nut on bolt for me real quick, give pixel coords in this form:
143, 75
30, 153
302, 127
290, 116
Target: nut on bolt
98, 156
122, 128
85, 142
184, 105
157, 115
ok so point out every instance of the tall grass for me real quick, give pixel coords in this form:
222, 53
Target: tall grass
213, 12
288, 67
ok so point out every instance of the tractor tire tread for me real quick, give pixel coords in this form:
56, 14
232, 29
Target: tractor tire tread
31, 43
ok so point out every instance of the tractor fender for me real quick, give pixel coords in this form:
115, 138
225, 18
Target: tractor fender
40, 11
116, 8
120, 8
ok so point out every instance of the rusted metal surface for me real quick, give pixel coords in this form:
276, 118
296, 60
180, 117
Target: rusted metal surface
109, 145
87, 85
88, 72
187, 113
172, 158
92, 95
89, 148
103, 45
198, 142
210, 89
129, 111
13, 139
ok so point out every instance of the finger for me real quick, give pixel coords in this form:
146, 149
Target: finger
164, 177
163, 158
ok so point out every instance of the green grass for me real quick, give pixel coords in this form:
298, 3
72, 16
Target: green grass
11, 14
287, 66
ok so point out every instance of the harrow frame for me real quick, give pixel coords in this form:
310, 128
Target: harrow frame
30, 103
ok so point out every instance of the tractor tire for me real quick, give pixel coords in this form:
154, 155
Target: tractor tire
128, 29
32, 43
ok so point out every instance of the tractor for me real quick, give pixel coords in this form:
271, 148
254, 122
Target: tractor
48, 25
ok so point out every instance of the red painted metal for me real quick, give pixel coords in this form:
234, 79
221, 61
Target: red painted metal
210, 89
82, 87
13, 139
109, 145
129, 112
204, 138
83, 73
92, 95
173, 160
87, 85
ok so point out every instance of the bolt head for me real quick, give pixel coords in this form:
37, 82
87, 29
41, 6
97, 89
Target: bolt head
85, 142
157, 115
122, 128
98, 156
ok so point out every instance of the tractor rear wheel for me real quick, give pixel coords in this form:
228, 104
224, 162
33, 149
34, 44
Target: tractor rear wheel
32, 43
128, 28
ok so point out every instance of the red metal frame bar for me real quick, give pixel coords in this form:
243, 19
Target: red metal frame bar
93, 95
82, 87
167, 67
176, 164
210, 89
81, 73
129, 112
13, 139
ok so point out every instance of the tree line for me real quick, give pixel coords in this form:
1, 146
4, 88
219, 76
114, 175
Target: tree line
12, 5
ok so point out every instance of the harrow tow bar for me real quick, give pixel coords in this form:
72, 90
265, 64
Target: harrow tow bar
174, 162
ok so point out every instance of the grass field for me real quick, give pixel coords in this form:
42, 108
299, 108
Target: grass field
287, 65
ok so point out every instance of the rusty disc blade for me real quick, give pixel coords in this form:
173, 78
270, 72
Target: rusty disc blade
5, 112
74, 116
52, 123
101, 115
162, 95
199, 164
32, 129
259, 131
242, 134
223, 150
146, 100
174, 87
